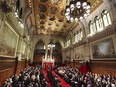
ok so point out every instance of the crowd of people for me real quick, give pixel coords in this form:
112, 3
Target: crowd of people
34, 77
29, 77
54, 80
76, 79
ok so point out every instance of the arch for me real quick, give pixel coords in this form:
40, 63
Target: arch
39, 45
90, 27
27, 13
83, 26
20, 13
96, 19
58, 46
39, 52
106, 18
17, 4
57, 53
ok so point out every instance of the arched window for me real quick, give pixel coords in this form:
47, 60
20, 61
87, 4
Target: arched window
20, 13
106, 18
79, 35
91, 27
100, 24
17, 4
68, 42
94, 28
97, 22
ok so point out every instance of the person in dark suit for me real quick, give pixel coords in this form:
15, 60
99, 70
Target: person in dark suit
15, 81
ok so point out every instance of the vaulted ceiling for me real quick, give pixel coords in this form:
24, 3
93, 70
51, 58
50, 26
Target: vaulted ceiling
48, 16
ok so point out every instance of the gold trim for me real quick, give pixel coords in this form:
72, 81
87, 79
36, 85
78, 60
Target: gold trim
7, 61
96, 5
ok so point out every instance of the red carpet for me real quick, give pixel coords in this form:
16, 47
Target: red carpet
63, 82
45, 74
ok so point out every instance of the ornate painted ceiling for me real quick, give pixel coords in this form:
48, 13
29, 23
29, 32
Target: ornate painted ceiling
48, 17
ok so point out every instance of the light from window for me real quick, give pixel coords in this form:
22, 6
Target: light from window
106, 18
78, 36
67, 43
99, 23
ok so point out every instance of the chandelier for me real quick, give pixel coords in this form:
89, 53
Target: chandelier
51, 44
77, 10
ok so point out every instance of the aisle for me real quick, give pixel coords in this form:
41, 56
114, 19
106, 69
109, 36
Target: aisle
63, 82
45, 74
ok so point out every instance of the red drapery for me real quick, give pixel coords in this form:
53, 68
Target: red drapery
47, 65
84, 69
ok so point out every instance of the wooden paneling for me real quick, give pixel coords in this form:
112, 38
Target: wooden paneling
10, 66
20, 66
4, 74
58, 60
7, 68
38, 58
76, 64
103, 66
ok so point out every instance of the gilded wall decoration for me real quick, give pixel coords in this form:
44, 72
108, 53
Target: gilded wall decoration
8, 41
103, 49
42, 8
53, 10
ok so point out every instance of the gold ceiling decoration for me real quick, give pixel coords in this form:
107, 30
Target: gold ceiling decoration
56, 2
48, 17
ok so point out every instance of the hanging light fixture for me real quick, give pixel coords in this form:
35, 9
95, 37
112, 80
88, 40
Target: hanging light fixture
51, 44
77, 10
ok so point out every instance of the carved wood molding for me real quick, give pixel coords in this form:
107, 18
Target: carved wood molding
5, 59
110, 64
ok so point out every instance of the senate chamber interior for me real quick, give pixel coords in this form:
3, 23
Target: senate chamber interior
57, 43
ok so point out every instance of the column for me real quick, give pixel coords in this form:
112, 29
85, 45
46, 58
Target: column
51, 53
63, 56
27, 51
46, 52
31, 54
19, 49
